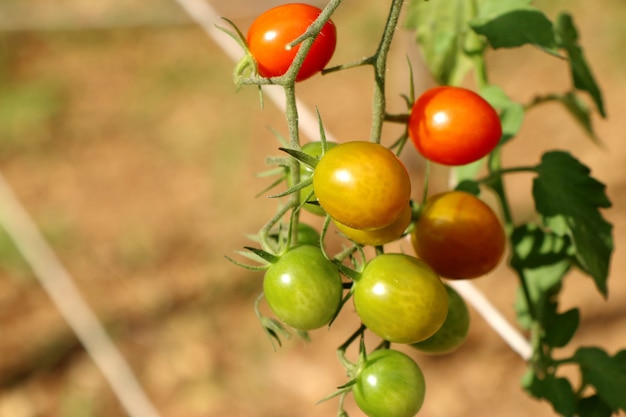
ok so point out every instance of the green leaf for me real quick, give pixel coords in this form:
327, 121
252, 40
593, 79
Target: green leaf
581, 113
543, 283
468, 172
593, 406
569, 199
511, 112
560, 328
440, 28
534, 247
557, 391
469, 186
567, 38
607, 374
512, 24
543, 259
512, 118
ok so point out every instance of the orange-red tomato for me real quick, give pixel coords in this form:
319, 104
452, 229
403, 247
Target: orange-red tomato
453, 126
458, 235
271, 33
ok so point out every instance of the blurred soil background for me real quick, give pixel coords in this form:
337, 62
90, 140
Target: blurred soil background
123, 136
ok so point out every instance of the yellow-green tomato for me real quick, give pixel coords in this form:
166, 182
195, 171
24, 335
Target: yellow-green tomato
454, 330
303, 288
390, 384
378, 237
313, 149
362, 185
400, 298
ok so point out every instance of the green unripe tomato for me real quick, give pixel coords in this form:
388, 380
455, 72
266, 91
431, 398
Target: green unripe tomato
454, 330
390, 384
307, 235
400, 298
303, 288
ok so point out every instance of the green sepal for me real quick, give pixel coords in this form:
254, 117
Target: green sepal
303, 157
293, 189
269, 257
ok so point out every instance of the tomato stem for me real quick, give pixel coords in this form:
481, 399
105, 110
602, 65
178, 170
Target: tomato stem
380, 67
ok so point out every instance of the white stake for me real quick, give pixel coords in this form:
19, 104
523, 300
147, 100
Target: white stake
60, 286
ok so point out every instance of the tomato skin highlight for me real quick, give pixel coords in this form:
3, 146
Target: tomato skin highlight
303, 288
390, 384
400, 298
458, 235
453, 126
362, 185
273, 30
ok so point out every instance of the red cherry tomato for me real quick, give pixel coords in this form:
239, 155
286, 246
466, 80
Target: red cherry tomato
458, 235
453, 126
272, 31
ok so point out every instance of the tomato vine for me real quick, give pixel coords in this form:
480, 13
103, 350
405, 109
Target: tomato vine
572, 233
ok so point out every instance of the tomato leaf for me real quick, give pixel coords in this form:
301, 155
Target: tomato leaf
468, 185
543, 284
511, 112
534, 247
557, 391
560, 328
593, 406
509, 24
581, 113
440, 30
567, 37
607, 374
569, 199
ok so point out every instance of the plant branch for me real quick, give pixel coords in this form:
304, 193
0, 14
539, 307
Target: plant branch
380, 68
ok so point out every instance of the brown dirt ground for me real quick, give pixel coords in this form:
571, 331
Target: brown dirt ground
137, 158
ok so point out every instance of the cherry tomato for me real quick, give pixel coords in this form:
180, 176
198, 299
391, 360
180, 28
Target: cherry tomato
307, 235
303, 288
362, 185
454, 330
378, 237
390, 384
458, 235
400, 298
313, 149
272, 31
453, 126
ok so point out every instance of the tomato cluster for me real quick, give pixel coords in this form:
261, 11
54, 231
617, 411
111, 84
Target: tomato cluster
364, 191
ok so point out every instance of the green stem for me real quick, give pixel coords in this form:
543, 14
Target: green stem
494, 176
380, 67
341, 351
475, 47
